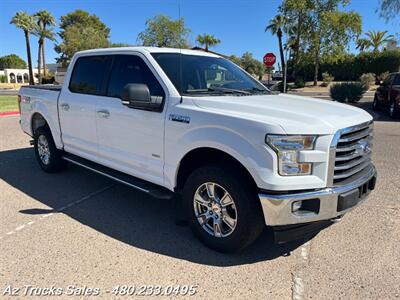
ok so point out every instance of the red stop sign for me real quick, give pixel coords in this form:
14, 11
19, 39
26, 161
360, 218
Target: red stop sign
269, 59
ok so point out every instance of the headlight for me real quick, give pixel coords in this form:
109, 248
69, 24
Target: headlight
287, 148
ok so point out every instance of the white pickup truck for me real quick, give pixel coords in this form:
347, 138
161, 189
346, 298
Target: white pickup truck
181, 122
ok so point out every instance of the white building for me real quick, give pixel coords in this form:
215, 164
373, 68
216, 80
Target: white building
19, 75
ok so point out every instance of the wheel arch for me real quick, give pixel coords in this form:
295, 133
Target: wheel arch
37, 121
199, 157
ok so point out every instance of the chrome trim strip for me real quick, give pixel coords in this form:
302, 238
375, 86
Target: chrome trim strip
357, 136
105, 174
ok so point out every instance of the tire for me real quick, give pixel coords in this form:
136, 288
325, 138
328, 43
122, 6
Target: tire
375, 104
393, 110
46, 153
244, 214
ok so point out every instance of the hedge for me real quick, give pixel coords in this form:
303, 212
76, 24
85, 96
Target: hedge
352, 67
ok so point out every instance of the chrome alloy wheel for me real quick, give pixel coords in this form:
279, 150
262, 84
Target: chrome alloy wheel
392, 109
215, 209
43, 149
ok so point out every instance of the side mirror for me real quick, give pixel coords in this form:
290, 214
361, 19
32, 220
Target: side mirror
137, 95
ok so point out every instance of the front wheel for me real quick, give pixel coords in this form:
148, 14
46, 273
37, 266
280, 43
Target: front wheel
222, 209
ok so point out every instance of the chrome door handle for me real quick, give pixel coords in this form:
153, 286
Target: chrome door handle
103, 113
65, 106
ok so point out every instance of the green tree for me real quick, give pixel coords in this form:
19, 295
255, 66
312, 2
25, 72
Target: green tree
330, 31
12, 61
276, 26
374, 39
249, 64
296, 12
161, 31
80, 31
236, 60
45, 30
27, 23
207, 40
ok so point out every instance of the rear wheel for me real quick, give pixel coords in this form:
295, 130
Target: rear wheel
46, 152
222, 209
393, 109
375, 104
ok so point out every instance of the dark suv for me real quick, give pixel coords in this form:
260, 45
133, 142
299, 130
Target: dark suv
388, 95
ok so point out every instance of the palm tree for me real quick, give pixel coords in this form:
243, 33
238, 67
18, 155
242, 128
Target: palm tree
362, 44
276, 26
42, 33
45, 21
27, 23
208, 40
374, 40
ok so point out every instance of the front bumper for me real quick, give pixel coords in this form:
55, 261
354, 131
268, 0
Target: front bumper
331, 202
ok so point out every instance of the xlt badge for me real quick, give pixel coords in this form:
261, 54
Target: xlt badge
179, 118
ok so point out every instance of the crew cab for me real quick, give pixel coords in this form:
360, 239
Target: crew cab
182, 122
387, 96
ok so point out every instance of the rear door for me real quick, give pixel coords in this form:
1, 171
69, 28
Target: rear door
395, 89
131, 140
384, 90
77, 105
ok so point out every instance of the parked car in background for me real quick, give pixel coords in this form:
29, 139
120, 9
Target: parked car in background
387, 96
172, 121
277, 75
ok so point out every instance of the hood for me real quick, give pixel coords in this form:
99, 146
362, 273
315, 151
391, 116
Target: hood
294, 114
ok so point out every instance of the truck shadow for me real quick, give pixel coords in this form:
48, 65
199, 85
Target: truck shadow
121, 212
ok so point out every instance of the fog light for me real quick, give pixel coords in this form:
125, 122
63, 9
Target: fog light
296, 206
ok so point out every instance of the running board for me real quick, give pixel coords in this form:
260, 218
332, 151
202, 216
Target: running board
136, 183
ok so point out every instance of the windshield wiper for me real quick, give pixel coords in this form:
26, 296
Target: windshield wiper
218, 90
228, 90
256, 90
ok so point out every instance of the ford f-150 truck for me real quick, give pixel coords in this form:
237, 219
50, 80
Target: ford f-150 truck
181, 122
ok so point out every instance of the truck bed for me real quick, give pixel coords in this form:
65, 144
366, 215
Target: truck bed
42, 99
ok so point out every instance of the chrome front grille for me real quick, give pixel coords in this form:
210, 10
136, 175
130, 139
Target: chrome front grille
350, 153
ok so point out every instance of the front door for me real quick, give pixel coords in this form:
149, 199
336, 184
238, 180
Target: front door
131, 140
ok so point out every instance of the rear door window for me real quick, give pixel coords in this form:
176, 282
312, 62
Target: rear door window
131, 69
89, 75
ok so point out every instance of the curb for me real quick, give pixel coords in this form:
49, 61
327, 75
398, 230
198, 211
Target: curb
9, 113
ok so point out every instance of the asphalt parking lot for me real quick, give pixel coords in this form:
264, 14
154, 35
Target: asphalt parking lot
78, 228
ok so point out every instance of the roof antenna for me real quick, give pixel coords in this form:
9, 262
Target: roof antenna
180, 51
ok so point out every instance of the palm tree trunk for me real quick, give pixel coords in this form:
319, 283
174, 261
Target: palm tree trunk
281, 54
206, 47
43, 60
28, 51
39, 60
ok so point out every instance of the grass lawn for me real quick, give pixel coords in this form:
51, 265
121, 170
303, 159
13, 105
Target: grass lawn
8, 103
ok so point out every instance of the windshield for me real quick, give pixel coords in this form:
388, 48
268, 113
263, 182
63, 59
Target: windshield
205, 75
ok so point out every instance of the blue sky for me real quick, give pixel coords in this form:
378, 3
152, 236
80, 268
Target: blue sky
238, 23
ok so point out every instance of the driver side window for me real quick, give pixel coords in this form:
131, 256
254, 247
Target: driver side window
132, 69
